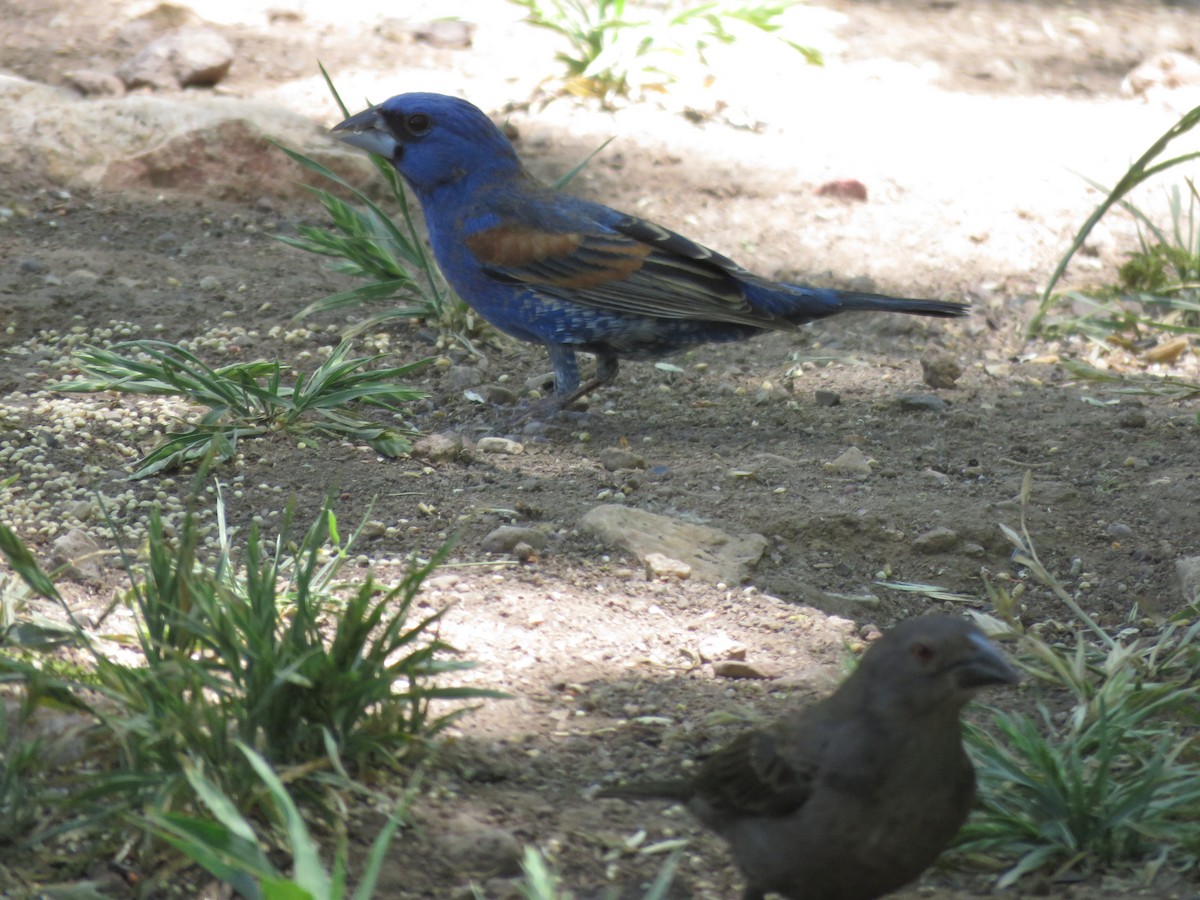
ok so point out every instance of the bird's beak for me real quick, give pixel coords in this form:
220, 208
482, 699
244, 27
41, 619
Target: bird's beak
985, 665
367, 131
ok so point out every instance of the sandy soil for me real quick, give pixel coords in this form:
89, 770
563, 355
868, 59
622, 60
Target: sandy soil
964, 120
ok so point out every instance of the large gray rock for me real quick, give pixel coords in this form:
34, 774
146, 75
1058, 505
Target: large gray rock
713, 555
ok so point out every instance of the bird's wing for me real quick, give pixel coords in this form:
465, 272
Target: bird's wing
628, 266
753, 777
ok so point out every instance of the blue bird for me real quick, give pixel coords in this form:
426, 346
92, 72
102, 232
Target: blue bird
570, 274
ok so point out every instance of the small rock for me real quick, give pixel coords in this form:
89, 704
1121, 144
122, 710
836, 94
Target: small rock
79, 557
614, 458
543, 383
852, 462
827, 398
81, 276
736, 668
481, 849
452, 33
659, 565
463, 377
1171, 78
844, 189
438, 447
1187, 568
499, 394
506, 538
1167, 351
210, 283
721, 646
1119, 530
940, 369
187, 57
936, 540
82, 510
93, 83
499, 445
714, 555
1132, 418
920, 403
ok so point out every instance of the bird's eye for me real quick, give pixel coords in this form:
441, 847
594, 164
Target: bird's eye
923, 653
418, 124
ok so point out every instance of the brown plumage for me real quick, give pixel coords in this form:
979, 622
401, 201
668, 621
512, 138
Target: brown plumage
854, 796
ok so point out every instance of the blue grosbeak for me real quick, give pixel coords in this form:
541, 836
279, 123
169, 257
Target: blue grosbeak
852, 797
569, 274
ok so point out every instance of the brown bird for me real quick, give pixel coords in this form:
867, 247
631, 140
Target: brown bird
856, 795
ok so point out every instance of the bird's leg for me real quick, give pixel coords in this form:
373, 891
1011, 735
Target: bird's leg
606, 370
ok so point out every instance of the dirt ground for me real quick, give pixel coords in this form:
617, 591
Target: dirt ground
967, 122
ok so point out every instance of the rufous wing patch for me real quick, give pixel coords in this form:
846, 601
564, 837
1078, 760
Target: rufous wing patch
514, 246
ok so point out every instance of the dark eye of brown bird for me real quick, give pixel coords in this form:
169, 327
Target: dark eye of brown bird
855, 796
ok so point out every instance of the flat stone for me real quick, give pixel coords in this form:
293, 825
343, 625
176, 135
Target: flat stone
79, 557
852, 462
714, 555
614, 458
499, 445
438, 447
936, 540
507, 538
659, 565
733, 668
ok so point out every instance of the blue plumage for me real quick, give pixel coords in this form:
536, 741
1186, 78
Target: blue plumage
569, 274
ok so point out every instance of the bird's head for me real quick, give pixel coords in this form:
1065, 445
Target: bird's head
431, 139
935, 661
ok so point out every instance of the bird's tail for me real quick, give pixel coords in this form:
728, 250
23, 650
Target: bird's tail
680, 791
801, 303
858, 300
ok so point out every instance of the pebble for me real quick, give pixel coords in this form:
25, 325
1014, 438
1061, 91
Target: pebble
1132, 418
827, 398
94, 83
614, 458
852, 462
79, 557
499, 445
187, 57
659, 565
1119, 530
463, 377
721, 646
481, 849
500, 395
736, 668
506, 539
1187, 569
940, 369
81, 276
438, 447
936, 540
920, 403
